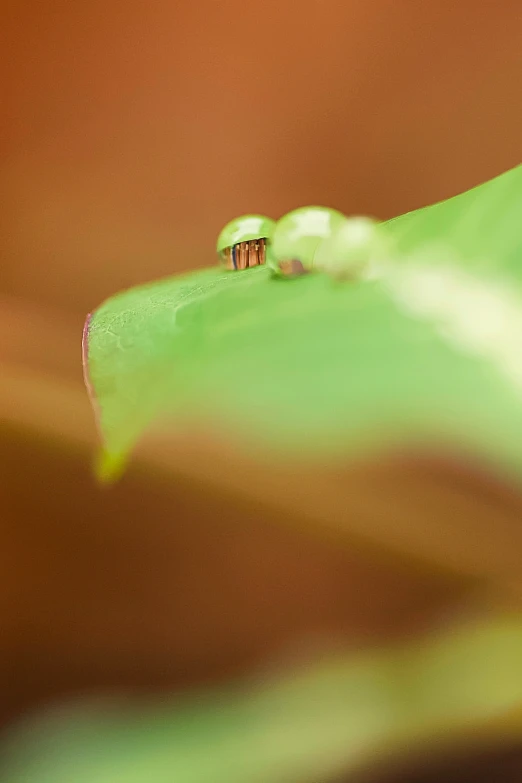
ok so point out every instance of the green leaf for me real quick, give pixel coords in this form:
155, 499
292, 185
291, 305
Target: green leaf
341, 716
427, 350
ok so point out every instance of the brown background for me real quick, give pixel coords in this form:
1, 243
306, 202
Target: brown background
134, 130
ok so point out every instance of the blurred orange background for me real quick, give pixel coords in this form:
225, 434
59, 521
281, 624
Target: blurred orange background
134, 130
131, 132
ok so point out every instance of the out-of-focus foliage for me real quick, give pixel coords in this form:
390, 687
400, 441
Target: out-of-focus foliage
341, 716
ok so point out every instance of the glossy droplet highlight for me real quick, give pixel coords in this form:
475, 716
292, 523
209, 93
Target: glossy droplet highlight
297, 235
243, 242
354, 248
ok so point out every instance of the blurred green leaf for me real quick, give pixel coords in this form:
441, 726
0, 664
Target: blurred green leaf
427, 351
341, 716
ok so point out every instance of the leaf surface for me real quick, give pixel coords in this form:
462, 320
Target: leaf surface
428, 350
